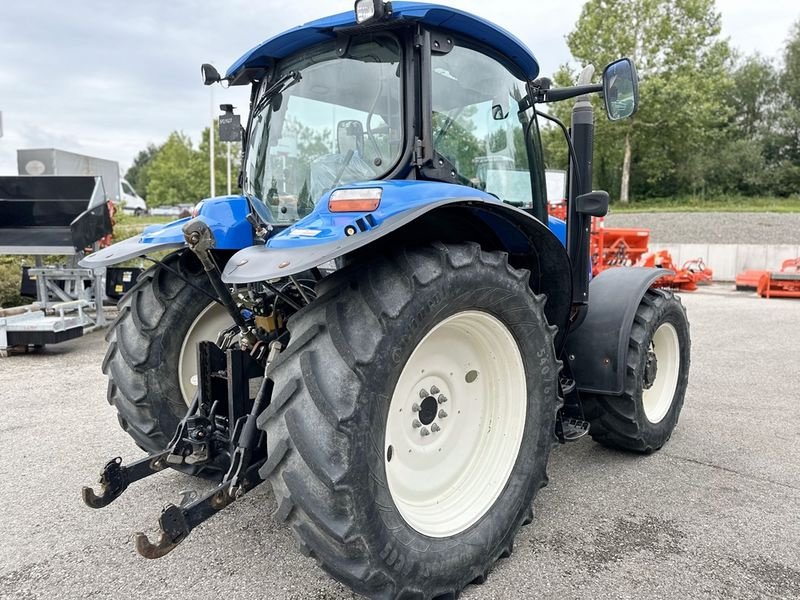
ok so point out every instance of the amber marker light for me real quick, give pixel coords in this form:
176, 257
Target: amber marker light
355, 200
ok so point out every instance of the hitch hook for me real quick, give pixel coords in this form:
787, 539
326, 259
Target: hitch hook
113, 481
173, 531
115, 478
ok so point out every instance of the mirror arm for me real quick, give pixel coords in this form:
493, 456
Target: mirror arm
558, 94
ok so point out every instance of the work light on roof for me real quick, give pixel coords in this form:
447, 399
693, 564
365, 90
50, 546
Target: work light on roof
368, 10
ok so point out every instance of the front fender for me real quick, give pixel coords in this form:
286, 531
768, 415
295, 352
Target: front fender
597, 350
225, 215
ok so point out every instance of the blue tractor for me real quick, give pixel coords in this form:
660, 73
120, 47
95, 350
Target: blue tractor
385, 324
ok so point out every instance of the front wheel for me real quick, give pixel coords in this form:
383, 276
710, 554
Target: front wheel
412, 418
657, 372
151, 361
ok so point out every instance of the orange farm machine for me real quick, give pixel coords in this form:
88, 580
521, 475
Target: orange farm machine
630, 246
784, 283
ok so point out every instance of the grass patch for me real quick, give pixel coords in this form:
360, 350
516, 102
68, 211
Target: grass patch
722, 204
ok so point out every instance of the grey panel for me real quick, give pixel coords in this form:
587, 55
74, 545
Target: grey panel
125, 250
52, 161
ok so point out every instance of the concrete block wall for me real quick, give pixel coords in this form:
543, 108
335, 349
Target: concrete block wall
727, 260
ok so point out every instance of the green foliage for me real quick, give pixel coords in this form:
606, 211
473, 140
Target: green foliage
10, 277
710, 123
139, 173
220, 163
311, 143
178, 173
683, 70
455, 140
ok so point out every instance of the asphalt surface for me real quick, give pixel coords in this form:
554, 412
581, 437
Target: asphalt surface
715, 514
714, 227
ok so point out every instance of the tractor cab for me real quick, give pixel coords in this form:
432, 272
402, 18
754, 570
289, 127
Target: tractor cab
416, 91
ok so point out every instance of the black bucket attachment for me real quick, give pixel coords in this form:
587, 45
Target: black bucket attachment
52, 214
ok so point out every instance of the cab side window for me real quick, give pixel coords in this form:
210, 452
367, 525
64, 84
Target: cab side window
477, 125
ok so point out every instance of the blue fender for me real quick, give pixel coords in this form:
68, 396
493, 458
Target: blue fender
225, 215
322, 235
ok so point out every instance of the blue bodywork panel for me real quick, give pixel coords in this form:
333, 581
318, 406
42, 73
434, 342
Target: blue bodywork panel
398, 196
433, 15
225, 215
559, 228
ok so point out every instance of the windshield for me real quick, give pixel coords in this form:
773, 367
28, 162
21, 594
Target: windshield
340, 123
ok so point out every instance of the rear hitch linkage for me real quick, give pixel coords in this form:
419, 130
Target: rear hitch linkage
177, 521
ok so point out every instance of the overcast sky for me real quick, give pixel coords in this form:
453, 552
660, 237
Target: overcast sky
107, 77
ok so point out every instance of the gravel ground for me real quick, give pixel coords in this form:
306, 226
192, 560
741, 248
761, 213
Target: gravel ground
713, 515
714, 227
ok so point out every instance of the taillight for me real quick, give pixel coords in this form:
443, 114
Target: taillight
355, 200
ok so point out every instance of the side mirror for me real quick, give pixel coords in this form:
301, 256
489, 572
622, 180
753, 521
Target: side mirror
593, 204
620, 89
350, 136
210, 74
230, 125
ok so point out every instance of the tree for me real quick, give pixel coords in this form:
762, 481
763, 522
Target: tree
682, 68
177, 173
753, 95
785, 150
138, 174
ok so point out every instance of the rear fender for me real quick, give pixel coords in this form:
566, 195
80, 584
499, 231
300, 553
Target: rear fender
225, 215
597, 349
413, 213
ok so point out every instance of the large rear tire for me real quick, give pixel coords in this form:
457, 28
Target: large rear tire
151, 356
643, 418
383, 507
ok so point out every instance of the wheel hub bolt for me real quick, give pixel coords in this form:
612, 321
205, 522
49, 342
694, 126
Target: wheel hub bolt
442, 414
435, 428
424, 431
442, 399
434, 390
416, 424
415, 407
423, 393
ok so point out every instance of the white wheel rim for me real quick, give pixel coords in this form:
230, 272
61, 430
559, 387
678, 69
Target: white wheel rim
657, 399
444, 482
205, 328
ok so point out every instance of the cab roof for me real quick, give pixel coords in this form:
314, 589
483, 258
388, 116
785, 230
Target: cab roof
433, 15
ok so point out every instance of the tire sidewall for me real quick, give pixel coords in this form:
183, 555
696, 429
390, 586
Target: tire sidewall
405, 550
179, 316
672, 313
165, 329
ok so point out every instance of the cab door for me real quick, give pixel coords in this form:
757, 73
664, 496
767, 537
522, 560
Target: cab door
477, 126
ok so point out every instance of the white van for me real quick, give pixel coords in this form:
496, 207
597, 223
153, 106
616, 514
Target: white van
131, 202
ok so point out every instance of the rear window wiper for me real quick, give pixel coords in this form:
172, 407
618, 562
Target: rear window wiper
280, 86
